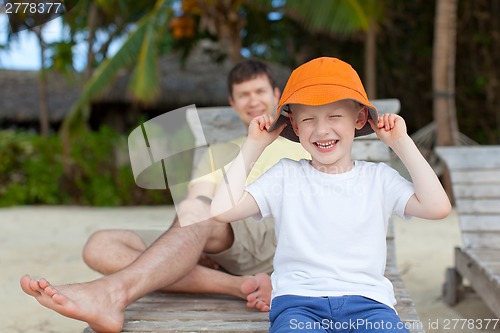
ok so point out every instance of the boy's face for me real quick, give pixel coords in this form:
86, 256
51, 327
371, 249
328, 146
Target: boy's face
327, 132
253, 98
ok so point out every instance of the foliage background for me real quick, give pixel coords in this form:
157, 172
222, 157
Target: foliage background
31, 170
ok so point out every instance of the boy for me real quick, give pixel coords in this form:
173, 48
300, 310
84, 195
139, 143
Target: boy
330, 212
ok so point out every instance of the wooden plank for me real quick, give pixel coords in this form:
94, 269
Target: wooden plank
470, 157
488, 260
479, 240
483, 222
476, 191
478, 206
370, 150
389, 105
480, 280
187, 326
158, 314
476, 176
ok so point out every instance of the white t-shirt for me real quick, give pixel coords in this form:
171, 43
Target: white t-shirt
331, 228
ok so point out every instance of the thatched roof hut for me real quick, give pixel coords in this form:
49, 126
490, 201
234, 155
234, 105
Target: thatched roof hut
200, 80
19, 96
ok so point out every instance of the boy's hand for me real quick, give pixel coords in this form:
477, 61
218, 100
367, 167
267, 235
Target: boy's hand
390, 128
258, 130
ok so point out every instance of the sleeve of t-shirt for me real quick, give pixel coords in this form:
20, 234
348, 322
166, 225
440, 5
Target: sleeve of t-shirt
397, 191
267, 189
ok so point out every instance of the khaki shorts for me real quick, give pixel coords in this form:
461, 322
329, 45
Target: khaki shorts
252, 251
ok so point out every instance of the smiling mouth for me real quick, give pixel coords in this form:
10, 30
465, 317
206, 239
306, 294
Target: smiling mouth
326, 144
255, 113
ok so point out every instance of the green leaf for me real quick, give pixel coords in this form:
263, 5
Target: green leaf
145, 81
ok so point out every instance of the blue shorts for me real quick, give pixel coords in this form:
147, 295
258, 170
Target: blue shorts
291, 313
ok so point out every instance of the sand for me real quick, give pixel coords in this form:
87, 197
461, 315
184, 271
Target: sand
47, 242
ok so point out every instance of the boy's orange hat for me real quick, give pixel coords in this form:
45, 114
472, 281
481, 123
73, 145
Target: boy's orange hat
317, 82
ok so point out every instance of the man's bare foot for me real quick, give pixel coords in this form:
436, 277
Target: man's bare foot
90, 302
258, 290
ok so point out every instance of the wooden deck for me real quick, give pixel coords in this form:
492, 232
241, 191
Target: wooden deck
166, 313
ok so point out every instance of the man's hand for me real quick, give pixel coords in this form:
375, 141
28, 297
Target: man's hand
208, 262
389, 129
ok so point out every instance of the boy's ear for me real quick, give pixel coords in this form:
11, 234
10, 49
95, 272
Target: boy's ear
362, 118
294, 125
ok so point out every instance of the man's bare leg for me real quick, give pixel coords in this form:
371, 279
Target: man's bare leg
170, 258
67, 299
108, 251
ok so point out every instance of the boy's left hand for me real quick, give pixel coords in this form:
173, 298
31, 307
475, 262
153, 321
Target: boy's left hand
390, 128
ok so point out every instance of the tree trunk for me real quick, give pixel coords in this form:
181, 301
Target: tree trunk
443, 73
43, 103
221, 17
92, 26
370, 60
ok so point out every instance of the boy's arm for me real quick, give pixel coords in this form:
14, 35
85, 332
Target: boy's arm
430, 200
231, 202
193, 210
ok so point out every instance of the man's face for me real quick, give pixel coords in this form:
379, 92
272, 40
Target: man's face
253, 98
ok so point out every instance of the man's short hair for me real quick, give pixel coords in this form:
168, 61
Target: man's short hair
248, 70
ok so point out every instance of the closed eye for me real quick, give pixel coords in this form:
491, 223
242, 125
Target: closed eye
307, 119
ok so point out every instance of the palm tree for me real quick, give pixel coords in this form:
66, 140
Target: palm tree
443, 73
43, 102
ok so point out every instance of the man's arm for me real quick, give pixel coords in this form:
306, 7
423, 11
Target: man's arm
430, 200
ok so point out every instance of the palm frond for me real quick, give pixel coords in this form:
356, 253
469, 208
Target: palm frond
145, 81
333, 16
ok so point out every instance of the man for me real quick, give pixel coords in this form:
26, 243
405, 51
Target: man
244, 249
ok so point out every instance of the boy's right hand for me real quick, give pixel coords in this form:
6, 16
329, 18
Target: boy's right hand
258, 130
390, 128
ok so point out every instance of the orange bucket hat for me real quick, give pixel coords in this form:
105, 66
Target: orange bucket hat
317, 82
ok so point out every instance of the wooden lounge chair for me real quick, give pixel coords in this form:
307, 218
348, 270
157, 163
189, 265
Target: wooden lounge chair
208, 313
475, 176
